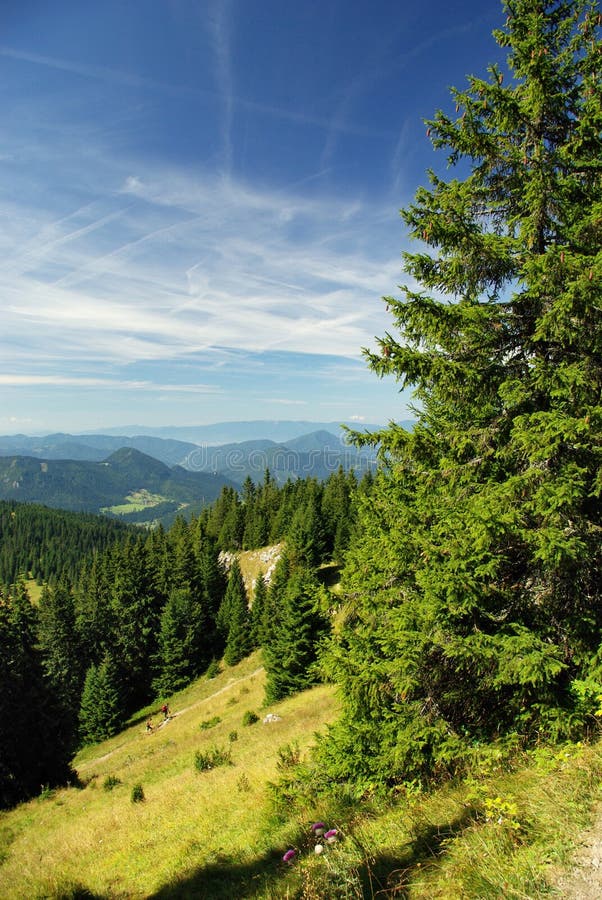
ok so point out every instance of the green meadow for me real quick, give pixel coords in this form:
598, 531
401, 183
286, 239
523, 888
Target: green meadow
187, 811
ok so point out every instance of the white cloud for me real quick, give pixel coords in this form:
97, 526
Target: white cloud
191, 264
38, 380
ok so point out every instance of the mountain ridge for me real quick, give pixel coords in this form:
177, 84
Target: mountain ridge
128, 483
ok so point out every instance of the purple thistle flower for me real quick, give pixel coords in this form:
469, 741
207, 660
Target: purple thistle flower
289, 856
318, 828
331, 835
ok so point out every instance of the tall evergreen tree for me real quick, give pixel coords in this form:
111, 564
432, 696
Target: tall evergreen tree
214, 581
102, 711
292, 650
235, 618
35, 749
183, 653
136, 616
93, 613
275, 596
472, 602
306, 536
260, 596
60, 653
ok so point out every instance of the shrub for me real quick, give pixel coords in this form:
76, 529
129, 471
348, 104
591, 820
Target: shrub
210, 723
233, 736
110, 782
243, 784
250, 717
46, 793
213, 669
211, 759
137, 795
289, 756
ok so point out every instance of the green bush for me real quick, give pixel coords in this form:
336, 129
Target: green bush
110, 782
250, 717
137, 795
213, 669
210, 723
289, 756
211, 759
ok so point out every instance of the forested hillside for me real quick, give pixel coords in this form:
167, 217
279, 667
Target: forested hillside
140, 614
128, 483
44, 543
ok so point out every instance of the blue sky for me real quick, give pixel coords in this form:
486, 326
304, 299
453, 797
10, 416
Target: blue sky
200, 202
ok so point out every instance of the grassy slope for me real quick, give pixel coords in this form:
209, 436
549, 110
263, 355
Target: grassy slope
189, 821
214, 834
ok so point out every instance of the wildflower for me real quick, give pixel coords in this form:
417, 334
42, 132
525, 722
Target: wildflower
289, 856
318, 828
318, 849
331, 835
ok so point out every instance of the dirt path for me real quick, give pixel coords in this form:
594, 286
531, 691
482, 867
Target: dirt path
584, 880
180, 712
227, 687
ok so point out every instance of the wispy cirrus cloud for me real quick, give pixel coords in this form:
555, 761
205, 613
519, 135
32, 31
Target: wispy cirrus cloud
219, 24
166, 266
35, 380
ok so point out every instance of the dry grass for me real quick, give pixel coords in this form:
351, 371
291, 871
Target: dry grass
214, 835
257, 562
100, 840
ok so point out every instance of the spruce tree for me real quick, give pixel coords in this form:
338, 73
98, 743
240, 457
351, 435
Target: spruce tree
275, 597
60, 652
136, 616
102, 712
182, 654
306, 535
260, 596
35, 749
235, 618
472, 598
291, 652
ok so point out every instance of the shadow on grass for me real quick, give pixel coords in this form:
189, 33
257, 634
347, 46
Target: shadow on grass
225, 880
329, 574
388, 876
384, 875
76, 892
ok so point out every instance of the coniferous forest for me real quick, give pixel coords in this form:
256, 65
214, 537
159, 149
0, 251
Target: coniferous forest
126, 616
469, 610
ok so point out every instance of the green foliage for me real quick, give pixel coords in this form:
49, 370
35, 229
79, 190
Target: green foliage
35, 749
250, 717
102, 712
57, 639
291, 652
210, 723
260, 599
289, 756
471, 592
110, 782
204, 760
181, 654
234, 618
47, 543
213, 669
137, 795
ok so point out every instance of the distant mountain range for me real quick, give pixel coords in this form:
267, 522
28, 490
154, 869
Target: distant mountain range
145, 478
94, 447
280, 431
315, 453
130, 484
